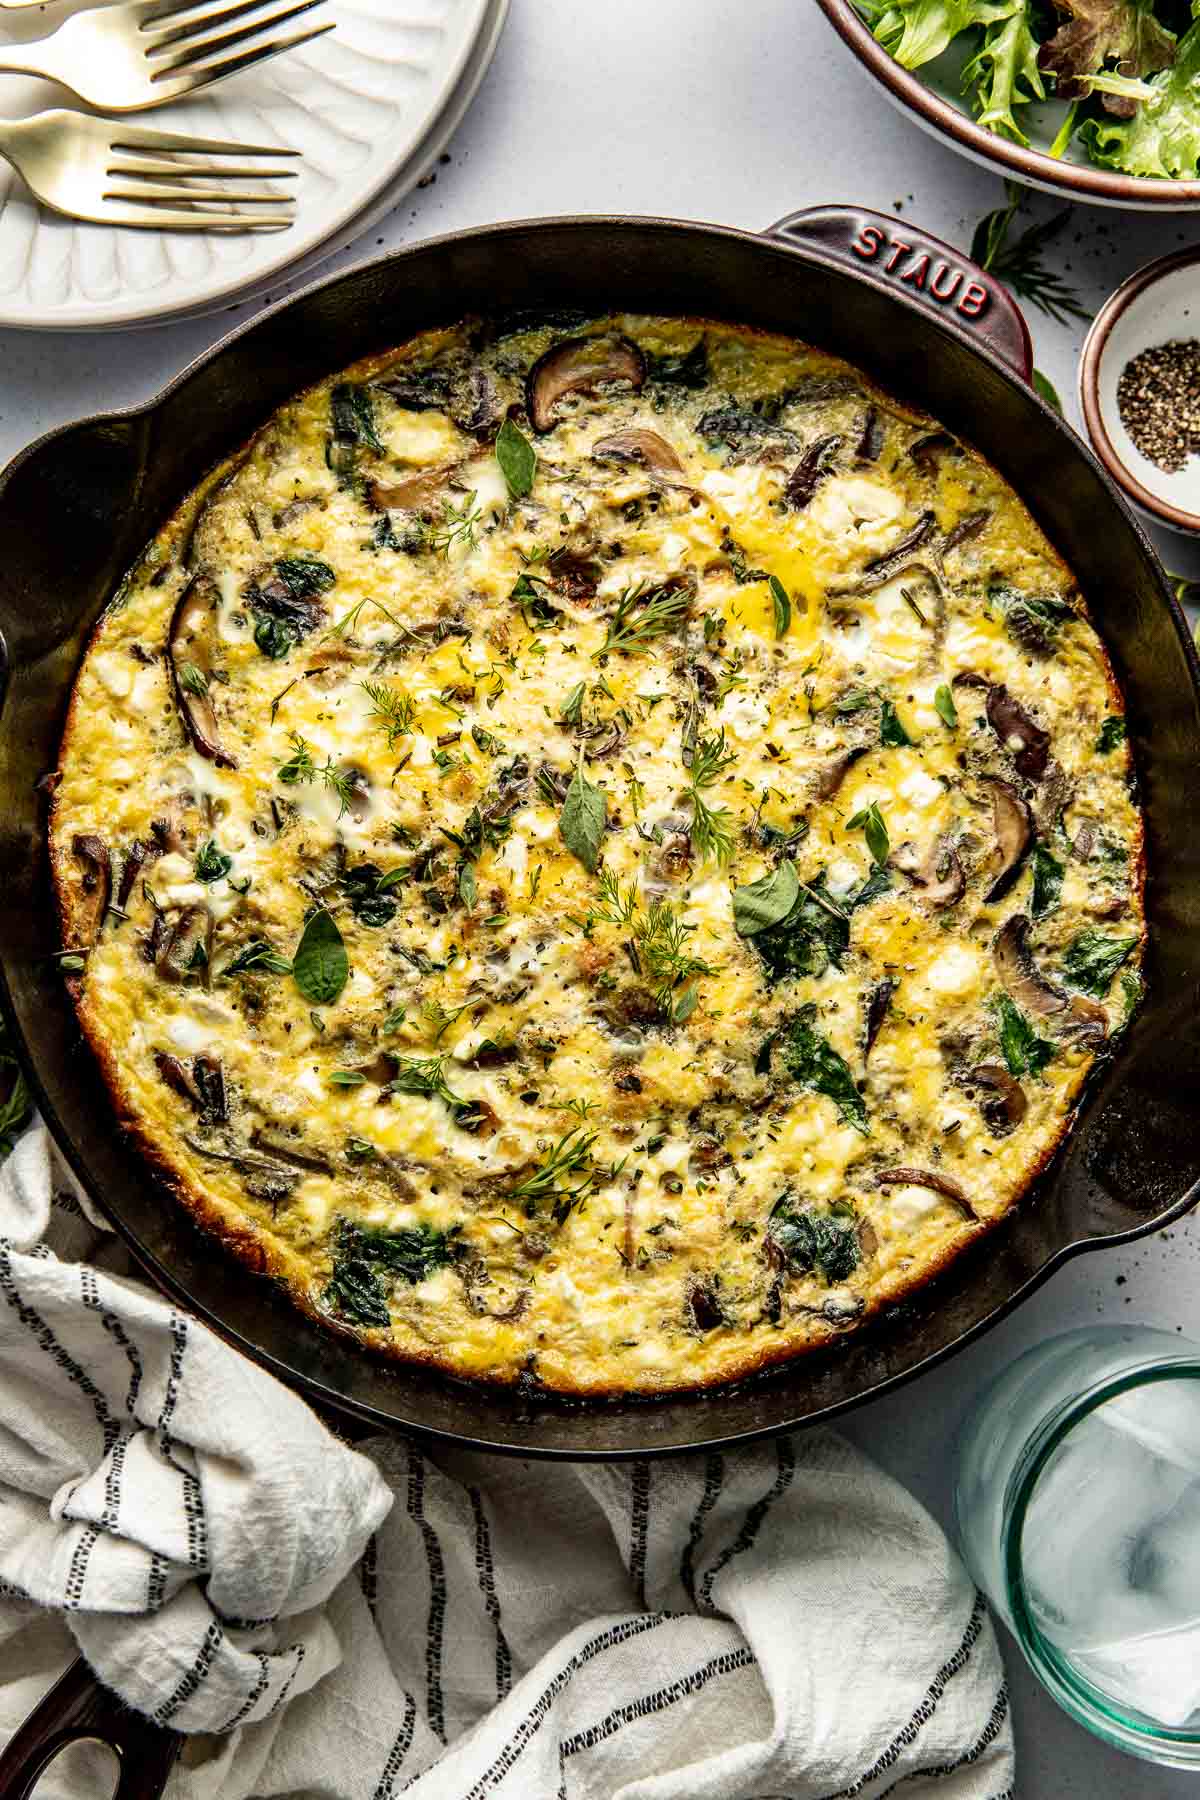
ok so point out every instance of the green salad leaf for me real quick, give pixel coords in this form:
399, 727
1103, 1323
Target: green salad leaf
1004, 74
1163, 136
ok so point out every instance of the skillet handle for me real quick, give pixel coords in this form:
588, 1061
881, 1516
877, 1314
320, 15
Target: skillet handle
920, 267
76, 1708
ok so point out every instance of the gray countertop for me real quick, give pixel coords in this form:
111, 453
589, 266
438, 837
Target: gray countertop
738, 113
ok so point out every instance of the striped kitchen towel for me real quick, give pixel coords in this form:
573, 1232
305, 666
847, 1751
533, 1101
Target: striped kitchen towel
779, 1623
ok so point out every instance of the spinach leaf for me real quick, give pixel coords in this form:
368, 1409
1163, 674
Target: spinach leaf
1048, 875
1032, 620
274, 637
305, 576
368, 890
878, 883
815, 933
1112, 732
582, 821
212, 864
353, 414
891, 732
1024, 1051
820, 1240
812, 1061
1092, 960
320, 966
766, 901
517, 458
688, 368
870, 822
364, 1257
947, 712
781, 601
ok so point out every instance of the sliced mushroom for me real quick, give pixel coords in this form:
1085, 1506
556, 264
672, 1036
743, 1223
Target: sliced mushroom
136, 858
939, 880
810, 471
968, 528
177, 1075
832, 774
282, 1149
580, 366
702, 1306
1025, 741
96, 886
879, 1004
262, 1178
414, 493
870, 441
187, 947
1014, 835
189, 643
1014, 964
645, 448
209, 1077
474, 403
911, 540
1003, 1104
1086, 1020
932, 1179
168, 830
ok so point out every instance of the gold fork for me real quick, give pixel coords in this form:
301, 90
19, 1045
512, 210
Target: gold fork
117, 174
142, 53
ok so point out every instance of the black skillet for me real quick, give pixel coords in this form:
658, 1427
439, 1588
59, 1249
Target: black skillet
76, 508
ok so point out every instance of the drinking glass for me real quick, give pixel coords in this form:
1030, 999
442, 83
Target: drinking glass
1078, 1510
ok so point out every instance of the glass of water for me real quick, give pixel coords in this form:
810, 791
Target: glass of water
1078, 1508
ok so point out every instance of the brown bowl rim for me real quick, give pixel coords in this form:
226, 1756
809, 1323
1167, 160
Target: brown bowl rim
1034, 166
1090, 359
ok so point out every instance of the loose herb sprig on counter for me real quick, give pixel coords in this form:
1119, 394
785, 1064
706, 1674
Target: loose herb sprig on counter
1020, 263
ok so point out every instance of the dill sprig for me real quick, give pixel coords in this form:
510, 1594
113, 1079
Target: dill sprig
394, 711
565, 1175
643, 613
1020, 263
459, 525
349, 620
300, 767
616, 908
711, 828
662, 938
423, 1075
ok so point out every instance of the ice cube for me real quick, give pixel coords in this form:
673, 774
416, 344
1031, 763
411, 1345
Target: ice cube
1158, 1672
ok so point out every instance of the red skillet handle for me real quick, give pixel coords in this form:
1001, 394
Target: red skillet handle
78, 1707
894, 254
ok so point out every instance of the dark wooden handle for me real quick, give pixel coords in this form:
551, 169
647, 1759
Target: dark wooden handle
925, 271
78, 1707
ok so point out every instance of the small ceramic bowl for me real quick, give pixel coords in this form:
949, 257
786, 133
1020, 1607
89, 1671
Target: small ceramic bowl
1158, 305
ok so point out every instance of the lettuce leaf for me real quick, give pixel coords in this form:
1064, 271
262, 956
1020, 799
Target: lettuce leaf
1005, 75
915, 31
1163, 136
1124, 33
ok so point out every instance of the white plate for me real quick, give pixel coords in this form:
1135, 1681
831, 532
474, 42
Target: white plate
364, 104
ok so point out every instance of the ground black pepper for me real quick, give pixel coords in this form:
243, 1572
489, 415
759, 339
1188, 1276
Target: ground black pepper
1158, 398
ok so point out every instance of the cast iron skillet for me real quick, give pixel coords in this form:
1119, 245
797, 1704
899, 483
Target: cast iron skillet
77, 507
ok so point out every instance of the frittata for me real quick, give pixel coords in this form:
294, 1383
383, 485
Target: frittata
598, 853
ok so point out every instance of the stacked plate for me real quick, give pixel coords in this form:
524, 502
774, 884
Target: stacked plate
371, 106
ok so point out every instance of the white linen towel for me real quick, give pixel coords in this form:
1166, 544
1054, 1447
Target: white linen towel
780, 1623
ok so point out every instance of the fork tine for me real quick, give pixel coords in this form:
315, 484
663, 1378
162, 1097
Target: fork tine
136, 171
170, 29
133, 141
162, 190
185, 48
168, 87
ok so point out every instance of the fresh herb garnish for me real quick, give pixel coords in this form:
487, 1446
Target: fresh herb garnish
212, 864
643, 613
711, 828
459, 525
193, 680
891, 732
392, 710
517, 458
1024, 1051
820, 1240
870, 822
1091, 961
257, 954
1020, 263
353, 415
812, 1061
321, 967
300, 767
782, 605
811, 935
424, 1075
565, 1175
767, 901
349, 620
947, 712
305, 576
583, 818
368, 890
